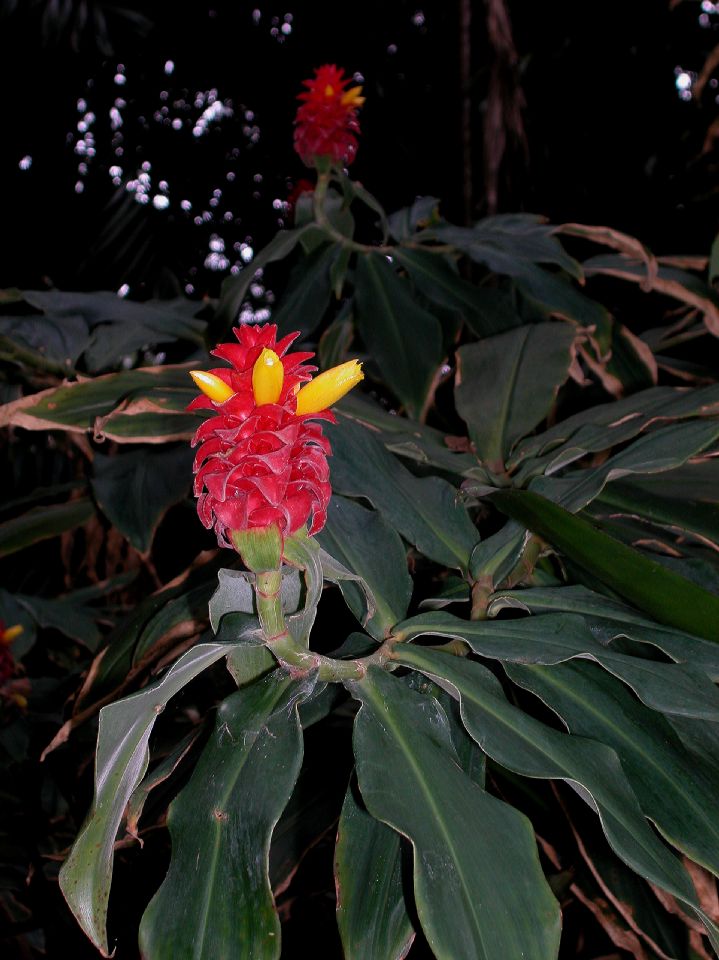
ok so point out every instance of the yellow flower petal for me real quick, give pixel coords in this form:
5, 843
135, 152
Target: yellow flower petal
11, 633
268, 375
353, 98
212, 386
329, 387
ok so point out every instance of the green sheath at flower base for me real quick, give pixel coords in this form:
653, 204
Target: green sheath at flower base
259, 547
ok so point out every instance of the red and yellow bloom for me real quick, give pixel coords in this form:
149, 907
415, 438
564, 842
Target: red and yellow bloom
261, 461
326, 124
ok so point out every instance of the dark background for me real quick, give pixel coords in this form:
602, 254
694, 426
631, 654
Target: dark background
573, 108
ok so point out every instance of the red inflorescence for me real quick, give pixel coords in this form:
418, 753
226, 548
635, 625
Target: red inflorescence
326, 124
258, 465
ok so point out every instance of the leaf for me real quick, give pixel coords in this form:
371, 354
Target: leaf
404, 339
76, 406
656, 452
71, 619
234, 288
486, 312
426, 511
334, 344
216, 899
136, 488
413, 441
43, 523
403, 223
480, 892
608, 424
235, 593
668, 280
371, 912
59, 339
674, 791
307, 296
554, 638
663, 594
528, 747
369, 547
120, 763
608, 618
498, 392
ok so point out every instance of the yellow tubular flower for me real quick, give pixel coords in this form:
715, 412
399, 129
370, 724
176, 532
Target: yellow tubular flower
329, 387
11, 633
268, 375
212, 386
353, 98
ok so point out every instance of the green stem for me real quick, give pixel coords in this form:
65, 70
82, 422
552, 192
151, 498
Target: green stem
290, 654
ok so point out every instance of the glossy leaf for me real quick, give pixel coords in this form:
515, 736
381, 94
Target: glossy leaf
425, 511
498, 391
606, 425
673, 790
413, 441
43, 523
479, 893
656, 452
385, 311
663, 594
216, 898
120, 763
525, 745
554, 638
371, 912
608, 618
369, 547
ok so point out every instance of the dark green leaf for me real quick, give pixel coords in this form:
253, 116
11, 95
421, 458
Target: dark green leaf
525, 745
426, 512
386, 312
216, 899
234, 289
72, 619
553, 638
135, 489
609, 618
307, 296
480, 893
656, 452
486, 311
120, 764
369, 547
403, 223
60, 339
499, 391
414, 441
43, 523
663, 594
676, 792
371, 912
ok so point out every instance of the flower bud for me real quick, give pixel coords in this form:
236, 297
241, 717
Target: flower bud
268, 375
212, 386
329, 387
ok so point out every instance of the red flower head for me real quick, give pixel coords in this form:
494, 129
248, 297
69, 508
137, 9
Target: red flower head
11, 690
326, 121
261, 461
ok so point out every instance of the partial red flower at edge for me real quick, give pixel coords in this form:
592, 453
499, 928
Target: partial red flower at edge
326, 124
261, 461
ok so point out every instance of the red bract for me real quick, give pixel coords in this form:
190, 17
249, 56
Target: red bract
326, 124
260, 464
